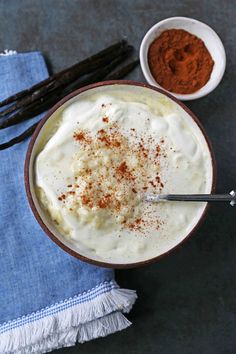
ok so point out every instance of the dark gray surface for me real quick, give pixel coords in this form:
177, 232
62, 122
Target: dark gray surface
187, 301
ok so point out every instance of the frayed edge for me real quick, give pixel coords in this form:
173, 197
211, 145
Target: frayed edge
82, 322
105, 286
98, 328
7, 52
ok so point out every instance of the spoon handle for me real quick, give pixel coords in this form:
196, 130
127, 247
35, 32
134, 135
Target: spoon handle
231, 197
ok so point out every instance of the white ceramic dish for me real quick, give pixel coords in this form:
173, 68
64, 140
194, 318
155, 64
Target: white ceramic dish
199, 29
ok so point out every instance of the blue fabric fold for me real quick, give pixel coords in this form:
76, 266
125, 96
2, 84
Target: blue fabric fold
34, 272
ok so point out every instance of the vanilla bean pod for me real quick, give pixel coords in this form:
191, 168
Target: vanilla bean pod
116, 75
83, 65
65, 78
48, 100
123, 71
18, 139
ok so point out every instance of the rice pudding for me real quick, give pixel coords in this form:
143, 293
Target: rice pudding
105, 150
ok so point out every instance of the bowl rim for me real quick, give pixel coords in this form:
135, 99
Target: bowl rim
150, 78
27, 175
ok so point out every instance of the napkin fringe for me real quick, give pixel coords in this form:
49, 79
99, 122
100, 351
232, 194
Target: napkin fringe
82, 322
8, 52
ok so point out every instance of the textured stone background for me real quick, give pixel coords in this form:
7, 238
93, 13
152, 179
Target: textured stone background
187, 302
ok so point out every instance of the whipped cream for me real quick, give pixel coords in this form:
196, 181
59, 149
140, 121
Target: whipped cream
107, 149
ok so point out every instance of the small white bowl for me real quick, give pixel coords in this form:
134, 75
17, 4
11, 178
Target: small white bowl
202, 31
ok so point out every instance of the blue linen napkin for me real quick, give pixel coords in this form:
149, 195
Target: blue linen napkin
48, 299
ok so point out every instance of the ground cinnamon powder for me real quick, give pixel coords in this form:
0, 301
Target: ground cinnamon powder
180, 61
120, 175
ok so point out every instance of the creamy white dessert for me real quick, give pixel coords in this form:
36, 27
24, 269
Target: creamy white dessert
108, 148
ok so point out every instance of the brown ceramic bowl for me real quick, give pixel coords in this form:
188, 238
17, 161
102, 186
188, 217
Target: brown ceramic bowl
33, 149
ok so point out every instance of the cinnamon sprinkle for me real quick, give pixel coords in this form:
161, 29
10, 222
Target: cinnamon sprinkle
104, 202
82, 136
128, 180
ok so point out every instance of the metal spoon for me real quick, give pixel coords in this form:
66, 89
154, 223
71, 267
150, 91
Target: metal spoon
231, 197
